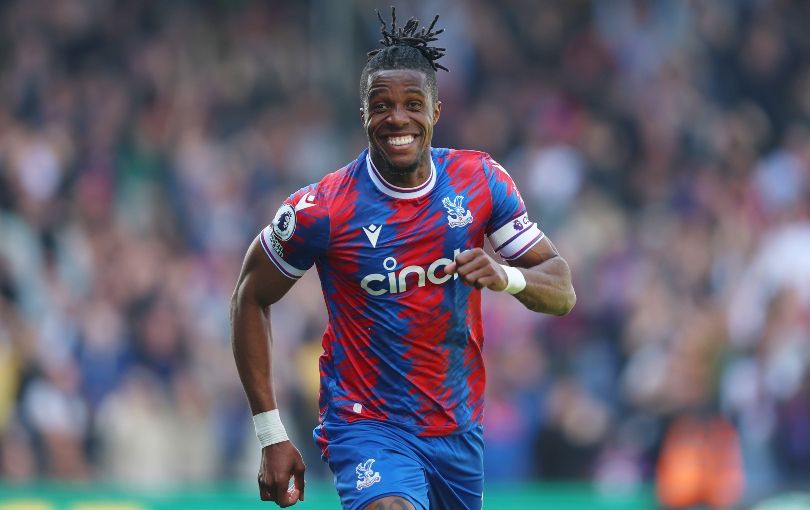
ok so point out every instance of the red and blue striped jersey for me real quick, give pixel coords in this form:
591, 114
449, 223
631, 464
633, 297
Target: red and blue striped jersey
404, 340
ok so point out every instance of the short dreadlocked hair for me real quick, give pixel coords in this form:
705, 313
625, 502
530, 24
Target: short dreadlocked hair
405, 48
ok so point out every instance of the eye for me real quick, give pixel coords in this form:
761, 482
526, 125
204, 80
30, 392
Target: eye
379, 107
415, 105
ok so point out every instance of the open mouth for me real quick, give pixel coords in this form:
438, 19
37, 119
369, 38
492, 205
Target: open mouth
400, 141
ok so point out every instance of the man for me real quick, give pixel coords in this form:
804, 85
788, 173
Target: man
397, 237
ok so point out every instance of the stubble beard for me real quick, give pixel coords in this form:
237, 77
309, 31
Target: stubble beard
400, 170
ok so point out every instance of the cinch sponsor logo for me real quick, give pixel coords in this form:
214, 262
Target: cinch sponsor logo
395, 282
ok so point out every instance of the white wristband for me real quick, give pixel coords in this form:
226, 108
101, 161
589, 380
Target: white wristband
269, 428
515, 281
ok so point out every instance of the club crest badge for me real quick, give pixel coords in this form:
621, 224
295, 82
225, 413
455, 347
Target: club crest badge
457, 215
366, 477
284, 222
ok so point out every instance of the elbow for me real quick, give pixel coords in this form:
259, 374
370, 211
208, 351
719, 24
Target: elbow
570, 302
559, 305
567, 303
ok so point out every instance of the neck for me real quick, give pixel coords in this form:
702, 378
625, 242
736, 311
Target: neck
403, 178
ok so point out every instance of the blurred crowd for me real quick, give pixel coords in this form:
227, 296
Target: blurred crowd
663, 145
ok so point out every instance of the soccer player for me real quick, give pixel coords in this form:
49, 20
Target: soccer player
397, 238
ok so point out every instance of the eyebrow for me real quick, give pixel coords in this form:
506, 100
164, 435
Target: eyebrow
415, 90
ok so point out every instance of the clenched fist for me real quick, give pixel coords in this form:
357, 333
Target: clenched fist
475, 267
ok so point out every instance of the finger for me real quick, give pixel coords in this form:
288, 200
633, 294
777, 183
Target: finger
475, 277
492, 282
282, 496
293, 493
298, 476
469, 259
464, 257
468, 255
290, 498
470, 282
264, 494
472, 266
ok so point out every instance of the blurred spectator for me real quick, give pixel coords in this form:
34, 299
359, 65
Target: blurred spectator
700, 464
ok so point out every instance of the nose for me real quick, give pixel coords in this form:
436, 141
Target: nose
398, 116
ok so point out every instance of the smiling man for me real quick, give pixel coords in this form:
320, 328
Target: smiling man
399, 112
397, 237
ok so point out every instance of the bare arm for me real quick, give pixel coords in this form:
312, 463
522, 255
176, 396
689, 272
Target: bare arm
261, 285
549, 288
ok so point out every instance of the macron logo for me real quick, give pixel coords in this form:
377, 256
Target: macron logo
373, 233
306, 202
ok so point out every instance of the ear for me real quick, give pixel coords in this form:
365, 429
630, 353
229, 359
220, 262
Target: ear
437, 111
362, 116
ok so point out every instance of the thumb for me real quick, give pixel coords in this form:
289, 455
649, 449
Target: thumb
451, 268
298, 476
292, 496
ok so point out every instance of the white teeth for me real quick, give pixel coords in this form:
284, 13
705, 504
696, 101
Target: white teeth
400, 140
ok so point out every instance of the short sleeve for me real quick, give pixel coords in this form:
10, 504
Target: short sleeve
509, 229
298, 234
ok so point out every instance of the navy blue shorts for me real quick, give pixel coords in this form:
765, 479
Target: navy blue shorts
372, 459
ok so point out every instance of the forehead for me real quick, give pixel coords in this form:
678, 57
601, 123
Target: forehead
395, 79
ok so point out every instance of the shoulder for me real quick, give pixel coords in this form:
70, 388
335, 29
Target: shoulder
460, 155
328, 190
470, 164
466, 158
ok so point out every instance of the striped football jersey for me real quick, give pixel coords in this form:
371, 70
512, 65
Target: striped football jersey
404, 340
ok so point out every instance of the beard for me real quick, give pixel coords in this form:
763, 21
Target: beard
402, 170
393, 169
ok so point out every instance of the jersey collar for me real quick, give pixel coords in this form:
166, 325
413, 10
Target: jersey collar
395, 191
